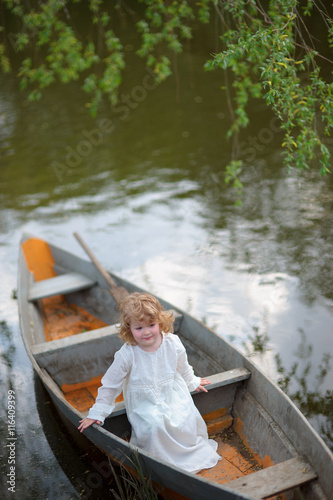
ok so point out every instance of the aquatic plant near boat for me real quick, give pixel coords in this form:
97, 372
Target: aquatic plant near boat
130, 487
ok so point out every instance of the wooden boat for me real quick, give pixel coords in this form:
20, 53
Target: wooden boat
68, 321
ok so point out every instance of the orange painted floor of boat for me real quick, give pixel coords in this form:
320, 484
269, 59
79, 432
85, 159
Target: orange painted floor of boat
237, 459
62, 319
82, 396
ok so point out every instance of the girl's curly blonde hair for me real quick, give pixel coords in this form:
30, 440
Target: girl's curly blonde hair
138, 307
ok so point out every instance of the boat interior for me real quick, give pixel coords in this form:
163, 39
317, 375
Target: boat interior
76, 342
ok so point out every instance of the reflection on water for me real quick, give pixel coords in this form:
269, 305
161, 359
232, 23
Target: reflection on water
7, 349
144, 186
315, 404
303, 382
86, 468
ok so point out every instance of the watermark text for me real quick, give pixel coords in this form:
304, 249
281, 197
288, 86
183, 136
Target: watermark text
11, 441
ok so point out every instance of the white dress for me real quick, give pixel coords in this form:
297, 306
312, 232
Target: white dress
156, 387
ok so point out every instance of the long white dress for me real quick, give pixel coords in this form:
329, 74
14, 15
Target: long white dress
156, 387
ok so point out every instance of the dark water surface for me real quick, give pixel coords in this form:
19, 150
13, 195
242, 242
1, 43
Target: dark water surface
143, 184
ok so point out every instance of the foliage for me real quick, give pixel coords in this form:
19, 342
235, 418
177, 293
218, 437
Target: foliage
129, 487
52, 50
270, 53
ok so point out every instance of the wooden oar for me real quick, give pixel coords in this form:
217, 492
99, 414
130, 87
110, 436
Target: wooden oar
117, 292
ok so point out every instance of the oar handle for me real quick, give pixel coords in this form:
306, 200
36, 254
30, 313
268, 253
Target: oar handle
96, 263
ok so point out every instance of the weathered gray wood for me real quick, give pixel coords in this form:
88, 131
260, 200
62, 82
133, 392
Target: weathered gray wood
274, 480
296, 428
260, 430
31, 321
221, 391
63, 284
228, 377
78, 358
118, 292
178, 320
80, 339
201, 363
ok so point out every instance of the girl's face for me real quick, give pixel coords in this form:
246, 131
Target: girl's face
146, 334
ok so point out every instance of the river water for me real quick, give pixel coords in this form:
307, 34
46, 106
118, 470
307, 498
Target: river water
143, 184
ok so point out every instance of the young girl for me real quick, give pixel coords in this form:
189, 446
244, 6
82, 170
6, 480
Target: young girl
152, 370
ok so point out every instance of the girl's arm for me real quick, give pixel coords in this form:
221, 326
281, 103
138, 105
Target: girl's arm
111, 387
186, 370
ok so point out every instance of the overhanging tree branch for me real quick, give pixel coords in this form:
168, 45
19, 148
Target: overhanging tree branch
258, 54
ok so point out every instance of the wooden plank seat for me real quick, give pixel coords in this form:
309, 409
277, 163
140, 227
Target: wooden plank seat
60, 345
59, 285
38, 350
228, 377
275, 479
78, 358
222, 379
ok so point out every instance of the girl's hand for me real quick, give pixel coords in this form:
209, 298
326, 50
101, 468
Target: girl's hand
203, 382
86, 422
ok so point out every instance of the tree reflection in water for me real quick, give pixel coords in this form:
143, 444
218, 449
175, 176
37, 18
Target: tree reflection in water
315, 403
7, 346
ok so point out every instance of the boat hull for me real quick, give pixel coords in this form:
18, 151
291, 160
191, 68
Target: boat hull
268, 421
